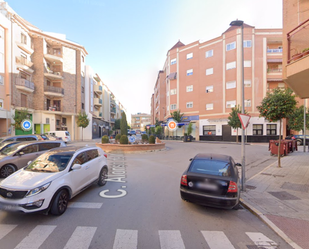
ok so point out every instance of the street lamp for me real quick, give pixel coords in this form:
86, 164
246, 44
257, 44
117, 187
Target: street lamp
239, 23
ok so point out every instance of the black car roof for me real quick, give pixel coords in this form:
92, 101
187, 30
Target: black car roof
212, 156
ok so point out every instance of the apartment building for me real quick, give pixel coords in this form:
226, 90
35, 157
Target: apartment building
139, 121
203, 81
296, 46
159, 98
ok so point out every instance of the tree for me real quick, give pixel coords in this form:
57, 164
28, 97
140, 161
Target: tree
123, 124
82, 121
176, 115
234, 121
158, 130
189, 129
19, 117
296, 119
277, 104
117, 124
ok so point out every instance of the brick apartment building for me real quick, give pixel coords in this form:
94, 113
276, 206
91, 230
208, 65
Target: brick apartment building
139, 121
45, 73
296, 46
203, 80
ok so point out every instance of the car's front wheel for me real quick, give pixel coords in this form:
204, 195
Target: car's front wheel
60, 203
6, 170
103, 176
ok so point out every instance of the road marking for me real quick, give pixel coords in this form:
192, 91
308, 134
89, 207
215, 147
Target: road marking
36, 237
260, 239
171, 239
5, 229
85, 205
125, 239
81, 238
217, 239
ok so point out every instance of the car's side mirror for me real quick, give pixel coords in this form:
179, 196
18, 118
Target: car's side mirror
190, 159
238, 164
76, 166
28, 162
21, 153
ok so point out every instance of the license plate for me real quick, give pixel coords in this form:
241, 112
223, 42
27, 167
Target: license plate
207, 186
8, 207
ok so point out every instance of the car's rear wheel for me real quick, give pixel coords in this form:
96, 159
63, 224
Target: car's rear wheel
103, 176
60, 203
6, 170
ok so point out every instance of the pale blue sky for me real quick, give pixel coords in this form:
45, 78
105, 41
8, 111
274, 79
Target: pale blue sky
127, 40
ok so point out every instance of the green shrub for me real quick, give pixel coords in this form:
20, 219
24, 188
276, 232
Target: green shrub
152, 139
145, 138
124, 139
118, 136
105, 139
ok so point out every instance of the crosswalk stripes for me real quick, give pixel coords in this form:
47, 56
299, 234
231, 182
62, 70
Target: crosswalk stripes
83, 236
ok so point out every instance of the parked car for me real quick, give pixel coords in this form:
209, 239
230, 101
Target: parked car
7, 144
211, 180
300, 139
17, 156
52, 179
65, 135
30, 137
133, 132
50, 137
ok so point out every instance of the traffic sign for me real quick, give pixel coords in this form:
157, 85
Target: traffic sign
172, 125
131, 139
244, 119
26, 125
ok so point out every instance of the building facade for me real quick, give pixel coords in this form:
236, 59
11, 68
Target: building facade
296, 46
203, 81
139, 121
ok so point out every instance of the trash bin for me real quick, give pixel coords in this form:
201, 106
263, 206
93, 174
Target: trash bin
273, 147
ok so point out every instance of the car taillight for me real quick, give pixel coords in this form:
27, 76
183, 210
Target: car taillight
105, 155
184, 181
232, 187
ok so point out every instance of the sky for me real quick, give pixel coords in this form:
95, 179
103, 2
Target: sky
127, 40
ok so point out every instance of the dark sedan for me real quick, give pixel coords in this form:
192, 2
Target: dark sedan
211, 180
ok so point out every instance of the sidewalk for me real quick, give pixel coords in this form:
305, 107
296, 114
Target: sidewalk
280, 197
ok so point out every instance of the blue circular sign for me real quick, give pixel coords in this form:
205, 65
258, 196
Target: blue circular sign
132, 139
26, 125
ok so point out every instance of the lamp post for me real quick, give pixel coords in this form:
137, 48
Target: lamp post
239, 23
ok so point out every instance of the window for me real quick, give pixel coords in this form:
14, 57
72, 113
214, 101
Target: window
167, 108
1, 103
57, 51
1, 80
189, 105
173, 61
230, 46
23, 38
209, 107
230, 65
209, 130
47, 121
23, 100
83, 89
92, 154
247, 102
230, 84
271, 129
190, 88
209, 53
209, 89
281, 85
189, 56
173, 106
231, 104
189, 72
80, 159
57, 122
83, 58
257, 129
30, 149
247, 44
48, 146
173, 91
247, 83
247, 63
209, 71
83, 106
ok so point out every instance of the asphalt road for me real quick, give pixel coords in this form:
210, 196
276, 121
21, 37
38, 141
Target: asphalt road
140, 207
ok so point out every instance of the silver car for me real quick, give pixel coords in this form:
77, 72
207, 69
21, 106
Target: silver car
17, 156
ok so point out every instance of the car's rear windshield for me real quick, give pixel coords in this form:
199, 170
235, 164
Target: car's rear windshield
211, 167
67, 133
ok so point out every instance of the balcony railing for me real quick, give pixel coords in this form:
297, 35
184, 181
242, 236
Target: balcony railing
298, 43
54, 108
23, 61
24, 83
274, 70
113, 110
54, 89
278, 50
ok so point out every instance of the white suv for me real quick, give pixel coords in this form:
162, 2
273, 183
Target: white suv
52, 179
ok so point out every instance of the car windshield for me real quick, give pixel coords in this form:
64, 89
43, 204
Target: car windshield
11, 149
6, 145
211, 167
49, 162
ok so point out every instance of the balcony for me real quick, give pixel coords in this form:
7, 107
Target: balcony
112, 120
297, 69
53, 91
97, 102
98, 89
113, 110
278, 50
53, 57
53, 75
24, 85
96, 113
113, 102
28, 49
24, 64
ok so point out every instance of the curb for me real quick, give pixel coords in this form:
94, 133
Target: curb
269, 223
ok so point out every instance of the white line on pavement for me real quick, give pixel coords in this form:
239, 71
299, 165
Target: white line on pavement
217, 239
125, 239
81, 238
171, 239
5, 229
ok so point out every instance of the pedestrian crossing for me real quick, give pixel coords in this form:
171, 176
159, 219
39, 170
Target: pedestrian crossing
84, 237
